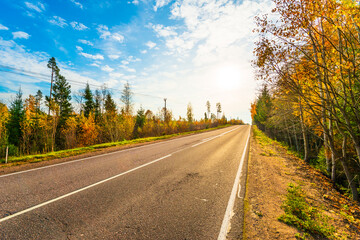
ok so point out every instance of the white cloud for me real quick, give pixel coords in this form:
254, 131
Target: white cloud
95, 57
160, 4
20, 34
59, 21
150, 44
118, 37
77, 4
204, 38
106, 34
85, 42
135, 2
106, 68
143, 51
124, 62
18, 56
128, 77
95, 65
104, 31
38, 7
79, 48
113, 56
133, 59
2, 27
127, 68
78, 26
116, 75
163, 31
5, 43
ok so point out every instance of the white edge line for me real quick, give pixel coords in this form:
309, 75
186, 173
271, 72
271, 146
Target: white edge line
80, 190
105, 154
230, 206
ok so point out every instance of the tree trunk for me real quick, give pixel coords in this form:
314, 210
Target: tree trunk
348, 174
306, 144
296, 140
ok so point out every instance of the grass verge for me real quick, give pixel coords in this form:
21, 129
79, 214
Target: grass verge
81, 150
300, 214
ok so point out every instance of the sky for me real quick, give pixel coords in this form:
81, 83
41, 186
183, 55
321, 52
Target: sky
188, 51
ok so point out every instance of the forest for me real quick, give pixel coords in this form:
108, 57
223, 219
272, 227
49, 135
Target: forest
41, 124
307, 59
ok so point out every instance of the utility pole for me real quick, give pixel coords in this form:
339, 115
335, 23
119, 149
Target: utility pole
7, 154
165, 110
51, 86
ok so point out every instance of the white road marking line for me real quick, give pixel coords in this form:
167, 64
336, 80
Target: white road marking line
229, 209
80, 190
83, 159
211, 138
238, 195
204, 141
92, 185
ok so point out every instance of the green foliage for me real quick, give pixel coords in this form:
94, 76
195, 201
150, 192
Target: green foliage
261, 138
320, 162
89, 104
263, 108
110, 106
15, 159
17, 115
62, 96
300, 214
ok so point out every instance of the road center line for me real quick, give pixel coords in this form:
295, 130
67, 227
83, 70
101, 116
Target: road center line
80, 190
229, 209
95, 184
211, 138
105, 154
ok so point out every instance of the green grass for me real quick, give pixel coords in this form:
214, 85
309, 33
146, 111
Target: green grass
300, 214
93, 148
261, 138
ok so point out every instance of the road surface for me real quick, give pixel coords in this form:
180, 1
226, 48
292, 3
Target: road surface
176, 189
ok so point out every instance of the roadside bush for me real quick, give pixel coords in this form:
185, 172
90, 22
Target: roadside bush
300, 214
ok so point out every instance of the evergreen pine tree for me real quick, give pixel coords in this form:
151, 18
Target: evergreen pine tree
110, 106
89, 104
62, 97
17, 115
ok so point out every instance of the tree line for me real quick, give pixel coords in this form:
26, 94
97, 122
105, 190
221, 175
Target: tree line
308, 57
41, 124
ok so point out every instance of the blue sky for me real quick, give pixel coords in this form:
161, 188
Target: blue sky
184, 50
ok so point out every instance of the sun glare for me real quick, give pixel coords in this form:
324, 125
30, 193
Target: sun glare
228, 77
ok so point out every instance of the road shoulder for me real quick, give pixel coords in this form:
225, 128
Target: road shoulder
270, 170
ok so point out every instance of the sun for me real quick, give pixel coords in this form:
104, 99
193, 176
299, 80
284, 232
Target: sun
228, 77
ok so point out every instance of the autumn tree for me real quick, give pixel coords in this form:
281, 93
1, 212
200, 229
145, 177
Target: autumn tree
4, 116
310, 53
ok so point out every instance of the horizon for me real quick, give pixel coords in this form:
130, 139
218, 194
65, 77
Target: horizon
185, 51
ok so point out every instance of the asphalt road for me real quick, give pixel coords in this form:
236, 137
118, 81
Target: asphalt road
176, 189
